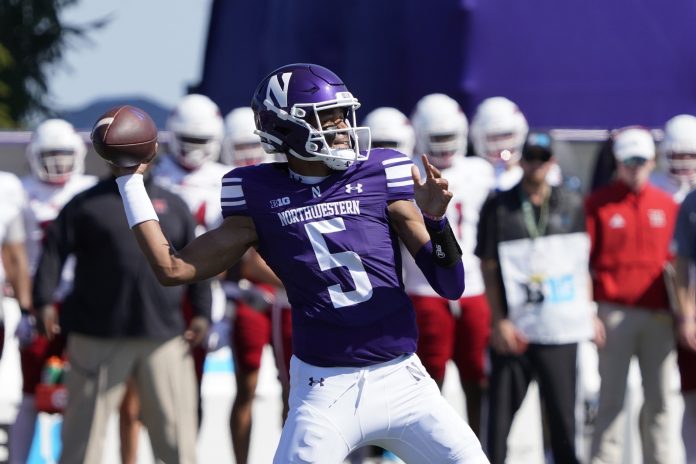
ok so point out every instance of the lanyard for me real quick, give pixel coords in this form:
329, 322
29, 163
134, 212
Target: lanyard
535, 228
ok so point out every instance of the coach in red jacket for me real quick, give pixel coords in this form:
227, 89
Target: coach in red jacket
630, 224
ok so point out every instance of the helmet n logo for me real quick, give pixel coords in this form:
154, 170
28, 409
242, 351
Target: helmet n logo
278, 92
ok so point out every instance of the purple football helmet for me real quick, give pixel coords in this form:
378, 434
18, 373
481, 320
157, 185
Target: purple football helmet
286, 108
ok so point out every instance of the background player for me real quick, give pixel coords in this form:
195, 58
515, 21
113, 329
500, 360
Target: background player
457, 330
55, 155
192, 171
14, 267
678, 150
261, 321
326, 223
677, 157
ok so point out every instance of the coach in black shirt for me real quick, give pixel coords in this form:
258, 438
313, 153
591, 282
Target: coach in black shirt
534, 258
122, 323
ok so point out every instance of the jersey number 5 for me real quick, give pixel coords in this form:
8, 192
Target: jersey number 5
348, 259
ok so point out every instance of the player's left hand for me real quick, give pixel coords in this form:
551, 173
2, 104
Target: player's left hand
432, 195
686, 333
26, 330
600, 333
197, 330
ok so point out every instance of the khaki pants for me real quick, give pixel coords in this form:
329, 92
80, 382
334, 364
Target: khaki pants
649, 336
96, 382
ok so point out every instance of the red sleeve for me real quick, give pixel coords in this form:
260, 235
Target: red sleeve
591, 225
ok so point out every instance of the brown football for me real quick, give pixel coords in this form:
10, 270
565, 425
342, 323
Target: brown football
125, 136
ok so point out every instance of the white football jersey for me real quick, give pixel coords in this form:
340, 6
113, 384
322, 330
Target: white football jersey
44, 202
470, 180
13, 201
200, 189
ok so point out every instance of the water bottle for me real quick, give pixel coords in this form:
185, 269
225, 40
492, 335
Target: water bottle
52, 372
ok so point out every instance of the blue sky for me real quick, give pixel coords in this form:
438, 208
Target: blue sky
151, 48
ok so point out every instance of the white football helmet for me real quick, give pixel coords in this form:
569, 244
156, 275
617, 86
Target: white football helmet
241, 146
441, 129
498, 131
197, 130
678, 148
56, 152
390, 128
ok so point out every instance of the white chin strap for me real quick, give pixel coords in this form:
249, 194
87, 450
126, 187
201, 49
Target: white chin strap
341, 159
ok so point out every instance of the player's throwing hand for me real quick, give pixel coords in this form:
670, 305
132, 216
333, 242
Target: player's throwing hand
432, 196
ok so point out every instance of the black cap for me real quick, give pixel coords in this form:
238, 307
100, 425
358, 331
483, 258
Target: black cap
537, 147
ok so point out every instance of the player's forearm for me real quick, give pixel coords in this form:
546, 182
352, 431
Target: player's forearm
447, 281
440, 260
17, 268
163, 258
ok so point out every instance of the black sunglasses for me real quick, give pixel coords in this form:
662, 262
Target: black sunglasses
634, 161
543, 156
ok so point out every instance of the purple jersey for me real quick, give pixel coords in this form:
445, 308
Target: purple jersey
332, 246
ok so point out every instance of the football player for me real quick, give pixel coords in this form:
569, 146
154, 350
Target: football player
56, 156
326, 222
678, 152
14, 267
458, 329
191, 170
260, 321
498, 131
677, 157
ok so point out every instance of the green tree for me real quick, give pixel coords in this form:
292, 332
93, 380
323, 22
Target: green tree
32, 43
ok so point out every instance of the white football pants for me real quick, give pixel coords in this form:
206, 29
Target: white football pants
395, 405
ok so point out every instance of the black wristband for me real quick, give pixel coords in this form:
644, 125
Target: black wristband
446, 251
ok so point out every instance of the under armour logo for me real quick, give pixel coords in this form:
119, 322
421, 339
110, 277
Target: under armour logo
358, 188
313, 382
438, 251
415, 372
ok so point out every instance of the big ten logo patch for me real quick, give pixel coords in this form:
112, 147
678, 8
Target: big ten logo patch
278, 202
4, 443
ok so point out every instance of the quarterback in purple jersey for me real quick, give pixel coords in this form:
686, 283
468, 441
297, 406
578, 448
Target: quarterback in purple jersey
327, 222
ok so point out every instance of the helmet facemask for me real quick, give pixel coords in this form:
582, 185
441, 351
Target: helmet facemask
194, 152
682, 166
503, 148
444, 148
247, 153
56, 166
